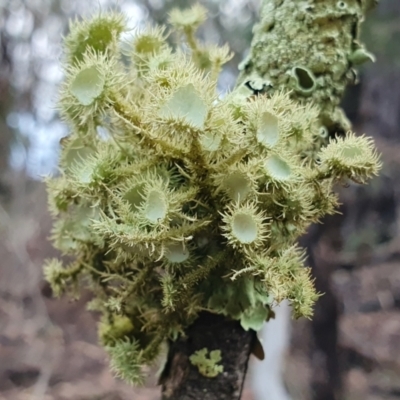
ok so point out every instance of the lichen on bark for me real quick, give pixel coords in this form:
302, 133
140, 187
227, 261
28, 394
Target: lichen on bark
311, 48
180, 209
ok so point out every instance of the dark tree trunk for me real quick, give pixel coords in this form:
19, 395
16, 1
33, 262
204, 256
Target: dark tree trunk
6, 102
182, 381
326, 381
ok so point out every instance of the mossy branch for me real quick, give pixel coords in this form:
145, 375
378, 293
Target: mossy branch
174, 201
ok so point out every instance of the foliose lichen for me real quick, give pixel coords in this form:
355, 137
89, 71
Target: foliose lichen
207, 362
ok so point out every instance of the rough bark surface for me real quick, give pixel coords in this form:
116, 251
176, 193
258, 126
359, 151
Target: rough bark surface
182, 381
310, 48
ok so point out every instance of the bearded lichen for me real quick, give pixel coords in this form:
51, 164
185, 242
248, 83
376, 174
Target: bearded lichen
172, 200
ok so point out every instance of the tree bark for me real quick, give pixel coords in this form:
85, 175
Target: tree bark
182, 381
310, 48
6, 135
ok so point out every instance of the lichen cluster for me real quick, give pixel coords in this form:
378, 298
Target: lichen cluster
172, 200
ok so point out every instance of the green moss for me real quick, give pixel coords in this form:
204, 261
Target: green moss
112, 331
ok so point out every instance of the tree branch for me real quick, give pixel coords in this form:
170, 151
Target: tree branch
182, 380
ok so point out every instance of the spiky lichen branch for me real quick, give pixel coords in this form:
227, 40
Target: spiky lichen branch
174, 201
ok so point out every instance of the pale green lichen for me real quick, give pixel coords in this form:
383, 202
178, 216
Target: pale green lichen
171, 200
207, 362
309, 47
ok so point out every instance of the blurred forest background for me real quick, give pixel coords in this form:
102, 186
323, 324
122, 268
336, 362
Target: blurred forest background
48, 350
